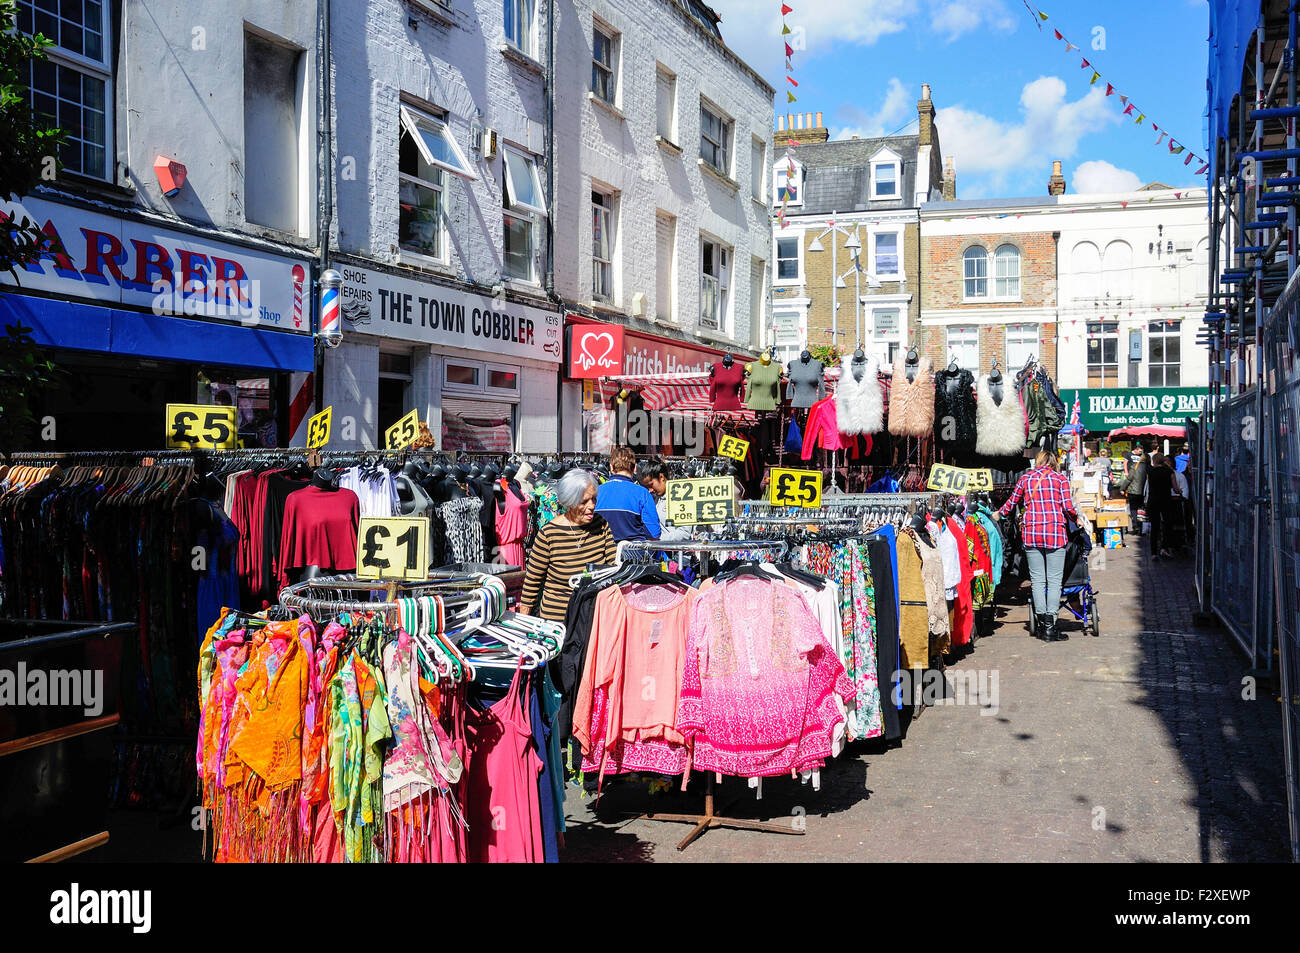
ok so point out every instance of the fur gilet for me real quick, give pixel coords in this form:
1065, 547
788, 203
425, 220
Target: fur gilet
911, 403
999, 428
954, 409
859, 404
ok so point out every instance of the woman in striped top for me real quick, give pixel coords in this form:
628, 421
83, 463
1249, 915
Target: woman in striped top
564, 547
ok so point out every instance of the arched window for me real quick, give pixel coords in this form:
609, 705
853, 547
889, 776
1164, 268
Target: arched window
1117, 269
1006, 272
1085, 265
975, 265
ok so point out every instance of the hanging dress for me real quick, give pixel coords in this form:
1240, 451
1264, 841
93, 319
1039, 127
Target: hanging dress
512, 527
962, 614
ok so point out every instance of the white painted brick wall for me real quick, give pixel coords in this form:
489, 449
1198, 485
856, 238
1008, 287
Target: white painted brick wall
593, 145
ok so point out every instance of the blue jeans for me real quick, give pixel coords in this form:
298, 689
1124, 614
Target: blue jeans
1046, 569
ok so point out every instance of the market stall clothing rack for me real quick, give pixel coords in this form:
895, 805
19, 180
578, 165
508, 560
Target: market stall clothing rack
710, 818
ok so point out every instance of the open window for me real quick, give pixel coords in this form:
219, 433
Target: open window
434, 143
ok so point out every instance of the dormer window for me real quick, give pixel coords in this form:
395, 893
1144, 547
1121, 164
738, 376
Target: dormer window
787, 182
886, 170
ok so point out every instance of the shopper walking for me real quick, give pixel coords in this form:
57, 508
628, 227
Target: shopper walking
1159, 502
624, 503
1045, 494
1135, 487
565, 547
654, 477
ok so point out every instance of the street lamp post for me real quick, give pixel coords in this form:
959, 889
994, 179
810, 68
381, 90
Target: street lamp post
853, 244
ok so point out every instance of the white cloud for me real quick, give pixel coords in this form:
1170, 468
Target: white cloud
1098, 175
953, 18
1050, 127
894, 111
754, 32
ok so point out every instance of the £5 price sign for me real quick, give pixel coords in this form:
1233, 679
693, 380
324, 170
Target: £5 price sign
710, 500
733, 447
403, 433
201, 427
393, 547
318, 428
794, 487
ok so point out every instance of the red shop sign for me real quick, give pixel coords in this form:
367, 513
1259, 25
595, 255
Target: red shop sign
595, 350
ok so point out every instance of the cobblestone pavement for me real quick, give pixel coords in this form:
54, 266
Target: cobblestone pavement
1135, 746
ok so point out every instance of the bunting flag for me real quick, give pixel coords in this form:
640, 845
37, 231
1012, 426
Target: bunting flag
785, 29
792, 81
789, 52
791, 185
786, 9
789, 97
1203, 169
1130, 107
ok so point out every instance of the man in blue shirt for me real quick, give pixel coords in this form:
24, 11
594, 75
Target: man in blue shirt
627, 506
1180, 461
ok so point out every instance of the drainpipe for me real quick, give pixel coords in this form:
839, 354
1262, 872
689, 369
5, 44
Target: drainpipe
325, 161
1056, 265
550, 218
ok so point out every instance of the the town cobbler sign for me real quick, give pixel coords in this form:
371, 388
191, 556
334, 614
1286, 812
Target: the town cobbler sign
1105, 409
378, 303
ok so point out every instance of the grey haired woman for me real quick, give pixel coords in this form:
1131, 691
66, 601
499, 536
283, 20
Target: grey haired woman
565, 546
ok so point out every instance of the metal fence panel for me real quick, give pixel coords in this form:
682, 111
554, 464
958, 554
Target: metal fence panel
1237, 432
1284, 492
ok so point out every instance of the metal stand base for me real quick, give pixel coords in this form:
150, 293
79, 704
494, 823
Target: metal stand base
709, 819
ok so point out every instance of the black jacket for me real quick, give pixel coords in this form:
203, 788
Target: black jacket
954, 409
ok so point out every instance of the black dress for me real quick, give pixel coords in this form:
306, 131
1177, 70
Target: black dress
954, 410
882, 577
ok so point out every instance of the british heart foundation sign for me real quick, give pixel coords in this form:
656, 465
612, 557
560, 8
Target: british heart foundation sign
595, 350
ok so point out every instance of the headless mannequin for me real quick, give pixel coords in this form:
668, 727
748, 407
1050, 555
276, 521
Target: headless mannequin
912, 364
859, 364
322, 479
919, 524
995, 384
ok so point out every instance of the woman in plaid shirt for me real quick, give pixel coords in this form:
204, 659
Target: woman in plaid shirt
1046, 497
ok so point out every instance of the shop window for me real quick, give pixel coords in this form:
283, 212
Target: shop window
1165, 344
975, 270
502, 380
964, 346
73, 85
1103, 354
496, 380
524, 210
476, 425
462, 376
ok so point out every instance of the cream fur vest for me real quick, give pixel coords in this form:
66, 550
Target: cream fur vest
911, 403
999, 429
860, 404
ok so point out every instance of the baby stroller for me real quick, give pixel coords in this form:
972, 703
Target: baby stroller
1077, 593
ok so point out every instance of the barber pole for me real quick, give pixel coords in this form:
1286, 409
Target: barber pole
331, 328
299, 278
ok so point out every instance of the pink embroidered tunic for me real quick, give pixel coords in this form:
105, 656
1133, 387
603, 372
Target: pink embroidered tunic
759, 688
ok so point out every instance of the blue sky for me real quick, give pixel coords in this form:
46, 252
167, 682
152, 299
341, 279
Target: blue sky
1009, 98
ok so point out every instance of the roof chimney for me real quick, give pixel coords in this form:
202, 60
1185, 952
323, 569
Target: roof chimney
949, 179
802, 128
925, 115
1056, 184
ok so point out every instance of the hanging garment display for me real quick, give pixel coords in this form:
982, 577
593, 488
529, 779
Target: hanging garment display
793, 437
807, 382
375, 489
823, 430
911, 403
1000, 428
923, 616
954, 409
512, 524
859, 401
320, 529
962, 607
724, 386
464, 529
763, 388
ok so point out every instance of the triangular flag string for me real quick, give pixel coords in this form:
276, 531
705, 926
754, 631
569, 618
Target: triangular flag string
1130, 107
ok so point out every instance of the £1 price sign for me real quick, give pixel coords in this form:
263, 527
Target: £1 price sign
318, 428
393, 547
710, 500
794, 487
403, 433
201, 427
733, 447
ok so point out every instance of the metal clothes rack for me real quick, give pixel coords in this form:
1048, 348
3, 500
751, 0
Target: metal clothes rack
710, 818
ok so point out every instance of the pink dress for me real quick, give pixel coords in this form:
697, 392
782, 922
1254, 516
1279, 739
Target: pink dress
512, 527
760, 682
505, 816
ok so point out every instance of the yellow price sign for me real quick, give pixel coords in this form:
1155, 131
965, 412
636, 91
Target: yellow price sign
393, 547
403, 433
794, 487
318, 428
958, 480
709, 500
733, 447
201, 427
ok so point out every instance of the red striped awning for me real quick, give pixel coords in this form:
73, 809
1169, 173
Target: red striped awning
681, 395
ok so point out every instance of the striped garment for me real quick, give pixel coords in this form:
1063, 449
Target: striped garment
560, 552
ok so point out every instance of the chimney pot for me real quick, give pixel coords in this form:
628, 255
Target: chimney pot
1056, 167
780, 123
819, 120
925, 90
